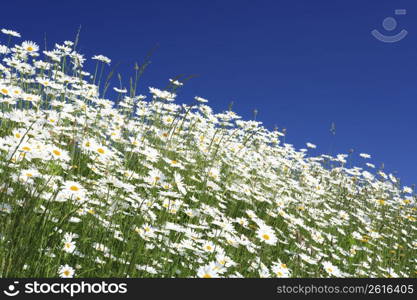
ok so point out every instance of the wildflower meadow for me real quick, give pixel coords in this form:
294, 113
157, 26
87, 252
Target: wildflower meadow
141, 185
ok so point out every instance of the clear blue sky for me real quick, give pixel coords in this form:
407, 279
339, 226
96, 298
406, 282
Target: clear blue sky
301, 63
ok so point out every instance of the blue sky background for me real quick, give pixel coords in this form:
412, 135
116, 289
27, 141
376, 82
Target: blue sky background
302, 64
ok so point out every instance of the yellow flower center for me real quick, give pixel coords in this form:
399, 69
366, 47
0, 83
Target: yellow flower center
56, 152
66, 273
29, 48
26, 148
4, 91
100, 150
265, 237
207, 276
74, 188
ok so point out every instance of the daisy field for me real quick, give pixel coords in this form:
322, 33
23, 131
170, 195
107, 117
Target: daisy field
142, 185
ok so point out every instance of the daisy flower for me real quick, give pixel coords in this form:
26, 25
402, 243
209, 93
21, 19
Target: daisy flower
102, 151
26, 148
18, 133
88, 145
30, 47
69, 236
214, 173
44, 81
16, 92
267, 235
10, 32
174, 163
207, 272
167, 120
73, 190
155, 177
66, 271
69, 246
176, 82
310, 145
200, 99
217, 267
59, 154
4, 49
29, 174
162, 94
281, 270
101, 247
102, 58
31, 98
224, 260
307, 259
331, 269
146, 231
407, 190
5, 90
209, 247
